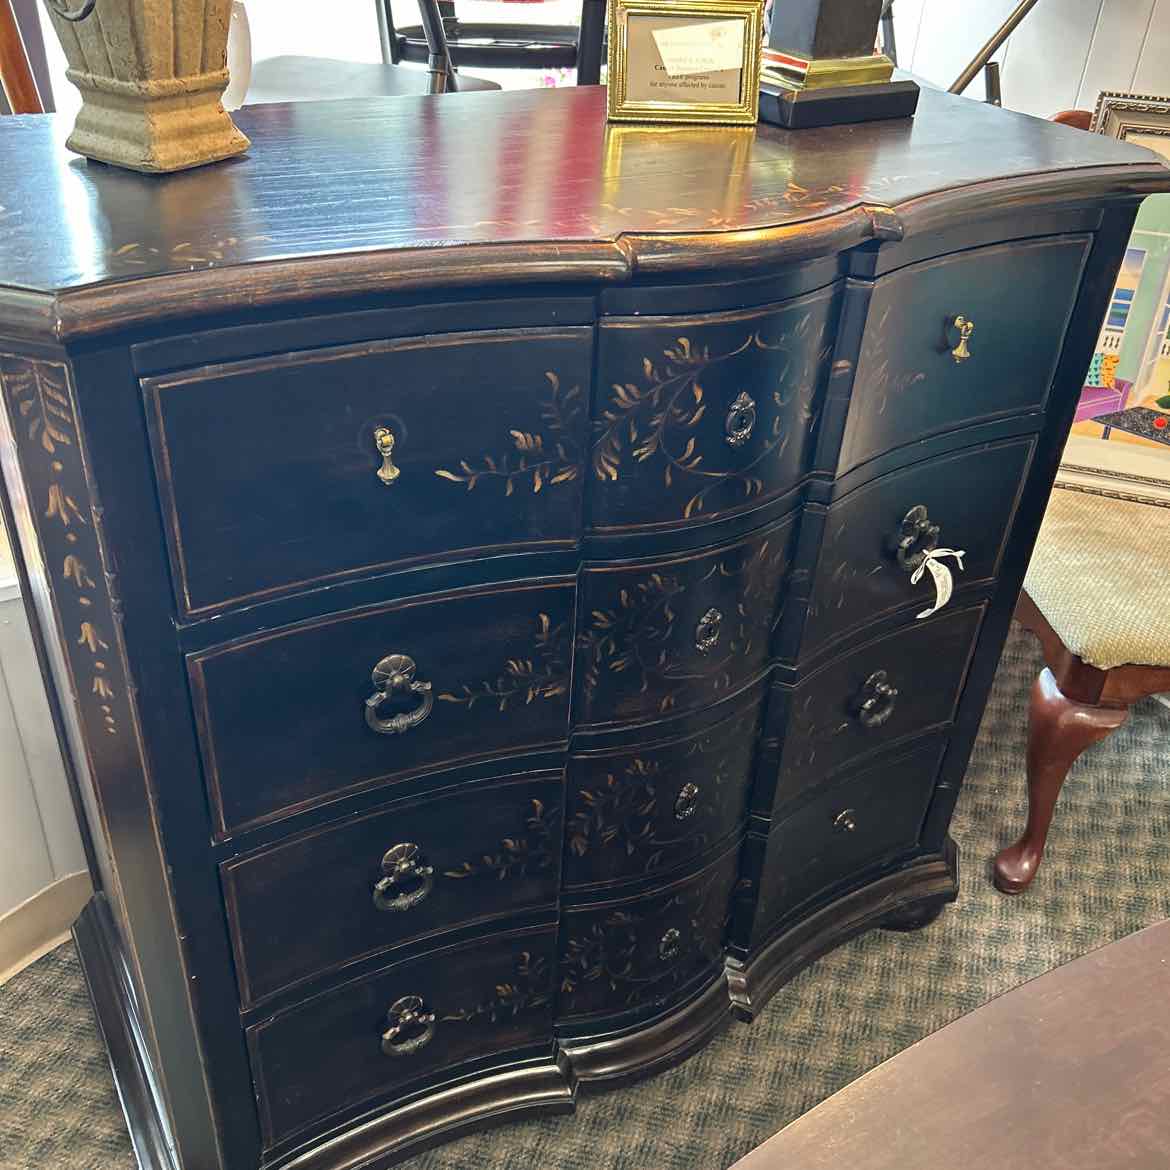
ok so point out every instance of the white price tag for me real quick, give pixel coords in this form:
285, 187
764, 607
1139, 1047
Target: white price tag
701, 48
944, 582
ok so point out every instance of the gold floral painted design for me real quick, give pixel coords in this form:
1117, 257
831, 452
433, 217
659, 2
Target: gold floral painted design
40, 397
529, 989
634, 811
657, 419
635, 640
531, 852
537, 458
524, 680
627, 958
204, 253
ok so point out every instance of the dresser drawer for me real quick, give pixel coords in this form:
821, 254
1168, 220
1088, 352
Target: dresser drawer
403, 1026
649, 809
300, 716
876, 537
667, 636
335, 895
889, 688
873, 815
914, 377
643, 954
698, 417
272, 479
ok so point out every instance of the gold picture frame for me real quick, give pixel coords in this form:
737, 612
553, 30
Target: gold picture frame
646, 37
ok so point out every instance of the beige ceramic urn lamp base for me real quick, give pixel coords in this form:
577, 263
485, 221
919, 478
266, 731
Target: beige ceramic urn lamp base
151, 75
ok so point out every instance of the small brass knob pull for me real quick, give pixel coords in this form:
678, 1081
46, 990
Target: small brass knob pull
670, 945
741, 419
408, 878
965, 328
876, 700
392, 677
412, 1026
707, 630
844, 822
686, 802
384, 441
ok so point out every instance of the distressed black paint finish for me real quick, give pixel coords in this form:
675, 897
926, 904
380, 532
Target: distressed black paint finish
324, 899
842, 712
912, 378
332, 1053
649, 809
201, 311
969, 497
671, 635
704, 417
272, 479
282, 715
634, 958
873, 815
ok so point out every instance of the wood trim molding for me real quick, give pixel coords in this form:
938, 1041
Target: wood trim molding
41, 923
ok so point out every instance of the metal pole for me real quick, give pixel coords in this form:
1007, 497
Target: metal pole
988, 51
438, 54
991, 80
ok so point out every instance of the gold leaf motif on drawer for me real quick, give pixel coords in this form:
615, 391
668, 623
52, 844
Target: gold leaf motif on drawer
529, 989
543, 676
655, 419
538, 458
521, 856
638, 634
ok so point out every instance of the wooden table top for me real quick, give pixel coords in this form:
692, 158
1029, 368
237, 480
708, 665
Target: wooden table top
345, 197
519, 165
1068, 1072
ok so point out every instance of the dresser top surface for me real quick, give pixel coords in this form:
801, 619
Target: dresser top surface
534, 168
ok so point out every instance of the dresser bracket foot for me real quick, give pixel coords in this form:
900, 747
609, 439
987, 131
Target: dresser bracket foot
113, 998
913, 895
916, 917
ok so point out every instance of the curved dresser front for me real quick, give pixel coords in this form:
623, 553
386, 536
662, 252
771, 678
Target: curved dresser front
517, 675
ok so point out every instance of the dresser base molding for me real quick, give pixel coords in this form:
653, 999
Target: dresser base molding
607, 1062
905, 900
114, 1004
389, 1137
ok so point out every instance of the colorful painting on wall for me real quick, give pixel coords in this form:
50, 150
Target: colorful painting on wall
1120, 440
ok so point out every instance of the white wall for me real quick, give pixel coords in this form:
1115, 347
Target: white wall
39, 840
1061, 57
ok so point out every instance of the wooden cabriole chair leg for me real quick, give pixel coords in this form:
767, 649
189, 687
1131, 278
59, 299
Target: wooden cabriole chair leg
1059, 729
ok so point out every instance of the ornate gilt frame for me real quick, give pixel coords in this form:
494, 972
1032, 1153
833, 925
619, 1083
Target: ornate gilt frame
744, 112
1119, 115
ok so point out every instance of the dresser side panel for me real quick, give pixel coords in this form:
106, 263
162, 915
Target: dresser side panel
75, 586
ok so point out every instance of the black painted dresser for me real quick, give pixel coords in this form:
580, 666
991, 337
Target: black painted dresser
515, 591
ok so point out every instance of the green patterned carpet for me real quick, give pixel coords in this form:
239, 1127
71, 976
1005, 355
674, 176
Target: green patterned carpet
1105, 876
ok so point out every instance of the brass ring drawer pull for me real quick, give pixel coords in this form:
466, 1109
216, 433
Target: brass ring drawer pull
875, 702
741, 419
915, 538
670, 945
407, 879
707, 630
412, 1026
964, 327
384, 441
686, 802
392, 677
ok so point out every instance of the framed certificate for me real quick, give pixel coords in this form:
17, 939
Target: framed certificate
684, 60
